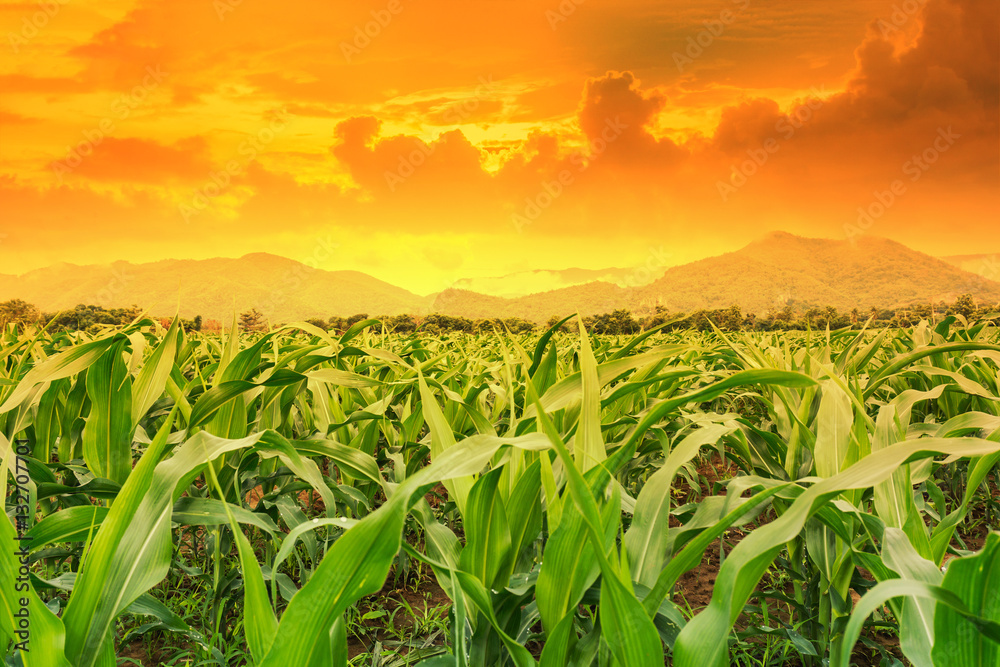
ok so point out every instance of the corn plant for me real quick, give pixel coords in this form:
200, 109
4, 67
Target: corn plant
287, 476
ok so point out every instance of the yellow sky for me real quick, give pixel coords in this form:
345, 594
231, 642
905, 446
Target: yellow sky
434, 141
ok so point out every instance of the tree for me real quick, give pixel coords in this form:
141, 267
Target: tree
354, 319
436, 323
85, 317
615, 323
732, 319
659, 316
518, 325
188, 325
554, 320
252, 320
399, 323
785, 315
964, 306
813, 316
17, 312
901, 319
124, 316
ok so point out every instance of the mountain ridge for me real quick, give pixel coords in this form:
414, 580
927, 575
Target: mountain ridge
770, 273
783, 269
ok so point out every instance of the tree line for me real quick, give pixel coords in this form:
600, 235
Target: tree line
85, 317
623, 321
254, 320
92, 318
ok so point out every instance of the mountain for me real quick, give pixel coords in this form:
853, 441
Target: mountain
785, 269
283, 289
587, 299
523, 283
778, 270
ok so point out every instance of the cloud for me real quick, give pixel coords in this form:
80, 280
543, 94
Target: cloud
13, 118
400, 142
134, 160
746, 126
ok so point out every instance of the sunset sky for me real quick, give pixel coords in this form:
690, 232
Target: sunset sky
433, 140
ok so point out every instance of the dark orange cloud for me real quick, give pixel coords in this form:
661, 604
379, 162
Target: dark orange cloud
11, 118
133, 160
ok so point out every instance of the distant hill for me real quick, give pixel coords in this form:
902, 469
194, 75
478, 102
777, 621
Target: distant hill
778, 270
986, 265
283, 289
786, 269
523, 283
588, 299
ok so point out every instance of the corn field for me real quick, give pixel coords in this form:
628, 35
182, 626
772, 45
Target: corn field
241, 499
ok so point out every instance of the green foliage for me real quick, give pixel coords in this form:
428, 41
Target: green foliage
192, 325
90, 318
252, 320
251, 499
17, 312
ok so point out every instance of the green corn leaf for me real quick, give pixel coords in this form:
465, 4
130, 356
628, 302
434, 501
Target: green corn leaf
152, 379
63, 365
43, 631
442, 439
646, 540
588, 445
962, 639
72, 524
487, 532
702, 641
260, 621
107, 437
131, 552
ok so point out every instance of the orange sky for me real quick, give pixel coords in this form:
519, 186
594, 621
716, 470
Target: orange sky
466, 139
